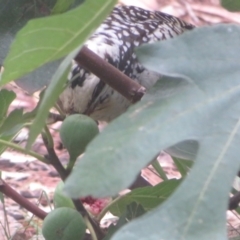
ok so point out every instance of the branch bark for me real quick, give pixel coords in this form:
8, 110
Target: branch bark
130, 89
11, 193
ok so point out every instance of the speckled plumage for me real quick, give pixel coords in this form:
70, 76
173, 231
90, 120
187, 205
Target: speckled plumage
126, 28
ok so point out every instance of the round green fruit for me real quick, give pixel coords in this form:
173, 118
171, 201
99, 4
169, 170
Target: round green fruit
63, 224
76, 132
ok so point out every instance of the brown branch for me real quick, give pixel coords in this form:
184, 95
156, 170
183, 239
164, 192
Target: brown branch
54, 160
130, 89
11, 193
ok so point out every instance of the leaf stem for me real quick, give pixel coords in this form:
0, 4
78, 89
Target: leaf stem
90, 228
23, 150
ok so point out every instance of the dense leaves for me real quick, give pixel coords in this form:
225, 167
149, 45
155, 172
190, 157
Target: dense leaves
51, 38
192, 113
200, 101
14, 15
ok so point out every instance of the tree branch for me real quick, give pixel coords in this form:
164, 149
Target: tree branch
130, 89
11, 193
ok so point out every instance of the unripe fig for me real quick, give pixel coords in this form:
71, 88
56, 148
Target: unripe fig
76, 132
63, 223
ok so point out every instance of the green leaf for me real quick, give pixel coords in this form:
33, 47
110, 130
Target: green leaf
197, 208
148, 197
186, 149
14, 15
231, 5
201, 102
63, 223
50, 96
182, 165
63, 5
136, 137
6, 98
1, 197
1, 194
60, 199
134, 210
50, 38
158, 168
13, 123
39, 78
9, 125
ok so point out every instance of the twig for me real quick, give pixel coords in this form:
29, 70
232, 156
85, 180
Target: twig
53, 158
8, 191
111, 75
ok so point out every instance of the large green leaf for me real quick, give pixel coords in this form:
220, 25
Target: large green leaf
174, 111
14, 15
50, 96
201, 102
50, 38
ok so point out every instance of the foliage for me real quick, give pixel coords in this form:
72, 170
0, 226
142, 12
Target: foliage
192, 113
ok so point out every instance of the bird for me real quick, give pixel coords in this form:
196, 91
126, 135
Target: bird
115, 40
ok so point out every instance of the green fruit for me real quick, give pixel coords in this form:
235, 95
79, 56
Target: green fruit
63, 224
60, 199
76, 132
